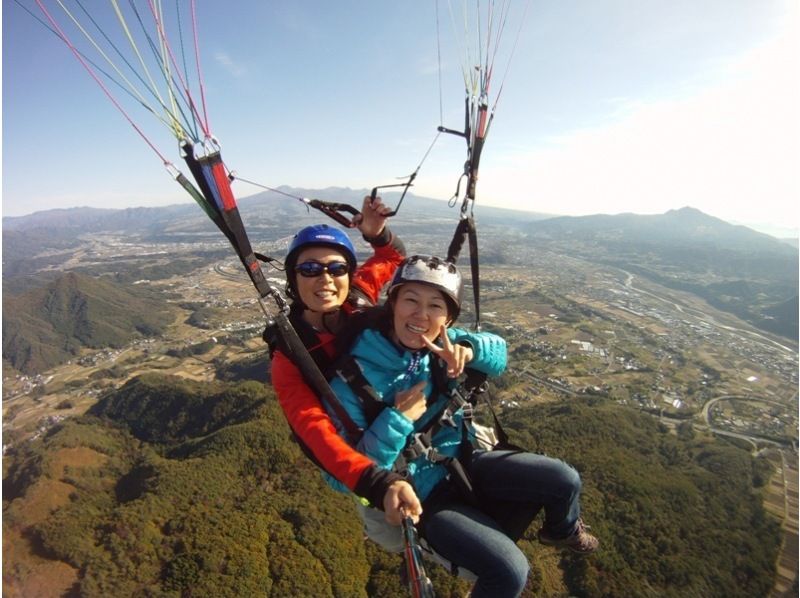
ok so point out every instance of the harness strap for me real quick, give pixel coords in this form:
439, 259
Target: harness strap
283, 331
502, 436
350, 372
465, 230
458, 474
475, 269
421, 444
460, 398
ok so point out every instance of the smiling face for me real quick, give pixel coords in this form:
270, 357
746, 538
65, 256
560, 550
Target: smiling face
323, 293
419, 310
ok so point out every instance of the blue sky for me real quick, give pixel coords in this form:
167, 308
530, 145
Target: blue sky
609, 106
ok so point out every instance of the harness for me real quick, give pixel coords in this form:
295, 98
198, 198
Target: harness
466, 231
300, 345
462, 397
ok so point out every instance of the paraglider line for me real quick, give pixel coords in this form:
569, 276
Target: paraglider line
197, 62
99, 81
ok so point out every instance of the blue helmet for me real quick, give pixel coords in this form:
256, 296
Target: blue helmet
317, 235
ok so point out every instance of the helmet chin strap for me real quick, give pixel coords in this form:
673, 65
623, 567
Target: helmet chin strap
333, 328
412, 349
325, 325
396, 340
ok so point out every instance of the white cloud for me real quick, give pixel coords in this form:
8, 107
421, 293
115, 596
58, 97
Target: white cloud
731, 150
236, 69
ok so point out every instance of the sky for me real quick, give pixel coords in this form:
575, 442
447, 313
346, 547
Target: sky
607, 106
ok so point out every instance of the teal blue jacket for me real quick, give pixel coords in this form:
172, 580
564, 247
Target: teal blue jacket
391, 369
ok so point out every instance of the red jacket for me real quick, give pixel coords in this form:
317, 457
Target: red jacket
307, 417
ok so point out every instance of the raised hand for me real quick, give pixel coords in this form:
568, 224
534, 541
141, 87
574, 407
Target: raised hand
455, 356
372, 219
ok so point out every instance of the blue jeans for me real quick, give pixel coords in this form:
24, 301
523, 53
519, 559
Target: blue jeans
512, 487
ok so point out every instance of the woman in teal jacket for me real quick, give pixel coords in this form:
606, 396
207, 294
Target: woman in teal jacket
394, 372
410, 423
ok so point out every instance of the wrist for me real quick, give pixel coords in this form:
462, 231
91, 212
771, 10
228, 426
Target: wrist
384, 237
374, 484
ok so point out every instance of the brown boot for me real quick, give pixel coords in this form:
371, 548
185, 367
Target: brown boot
580, 540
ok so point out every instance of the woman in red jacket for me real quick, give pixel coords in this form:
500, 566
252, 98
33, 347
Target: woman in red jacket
326, 286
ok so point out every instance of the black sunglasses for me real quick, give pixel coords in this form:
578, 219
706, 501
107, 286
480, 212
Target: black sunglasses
314, 269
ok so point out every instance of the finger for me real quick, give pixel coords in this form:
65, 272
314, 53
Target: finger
455, 369
413, 506
448, 346
419, 387
434, 348
461, 363
411, 396
412, 393
410, 506
393, 517
368, 205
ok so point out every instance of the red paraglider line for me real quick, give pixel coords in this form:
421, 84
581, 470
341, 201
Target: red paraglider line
163, 36
99, 81
197, 62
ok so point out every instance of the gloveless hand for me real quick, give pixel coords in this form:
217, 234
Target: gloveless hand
372, 219
455, 356
411, 402
400, 501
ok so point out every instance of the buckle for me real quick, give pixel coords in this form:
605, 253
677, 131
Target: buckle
417, 448
447, 419
457, 401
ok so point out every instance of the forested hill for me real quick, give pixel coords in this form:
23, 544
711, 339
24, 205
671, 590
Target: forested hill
177, 488
49, 325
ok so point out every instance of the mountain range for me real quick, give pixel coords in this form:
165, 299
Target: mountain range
268, 207
734, 268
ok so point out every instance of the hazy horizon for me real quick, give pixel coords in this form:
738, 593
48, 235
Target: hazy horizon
680, 103
774, 231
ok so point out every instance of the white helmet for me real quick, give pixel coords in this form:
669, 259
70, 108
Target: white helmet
432, 271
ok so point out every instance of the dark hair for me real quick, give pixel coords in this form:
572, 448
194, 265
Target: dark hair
378, 317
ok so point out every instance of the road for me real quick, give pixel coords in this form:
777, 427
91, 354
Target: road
704, 317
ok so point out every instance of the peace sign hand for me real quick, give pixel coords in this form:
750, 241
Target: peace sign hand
455, 356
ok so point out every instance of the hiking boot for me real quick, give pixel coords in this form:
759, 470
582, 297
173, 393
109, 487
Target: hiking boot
580, 541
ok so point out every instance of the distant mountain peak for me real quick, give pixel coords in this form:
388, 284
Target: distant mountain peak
686, 210
690, 214
683, 229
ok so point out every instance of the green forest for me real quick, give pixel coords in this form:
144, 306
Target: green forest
51, 324
174, 488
